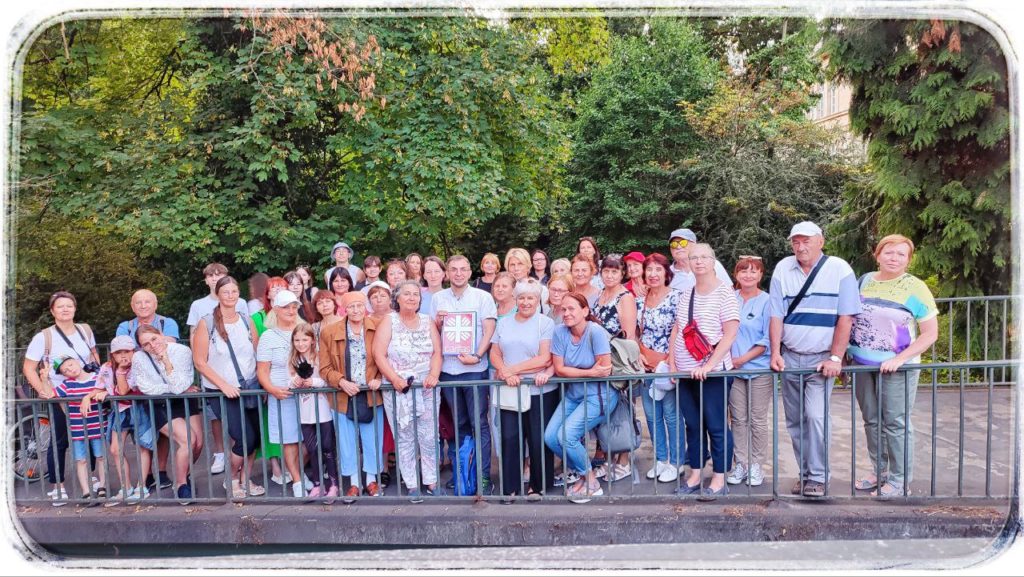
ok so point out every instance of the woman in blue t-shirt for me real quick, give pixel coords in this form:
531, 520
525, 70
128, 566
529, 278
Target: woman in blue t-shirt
580, 348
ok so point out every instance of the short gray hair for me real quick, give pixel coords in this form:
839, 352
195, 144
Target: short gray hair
528, 286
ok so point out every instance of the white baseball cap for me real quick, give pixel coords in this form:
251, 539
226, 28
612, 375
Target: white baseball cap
285, 298
805, 228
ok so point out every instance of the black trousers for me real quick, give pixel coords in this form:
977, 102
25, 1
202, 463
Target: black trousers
242, 425
55, 457
542, 460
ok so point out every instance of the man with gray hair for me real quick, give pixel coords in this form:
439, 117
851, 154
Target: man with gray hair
814, 298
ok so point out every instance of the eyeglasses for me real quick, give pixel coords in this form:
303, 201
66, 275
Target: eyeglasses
750, 256
679, 243
702, 257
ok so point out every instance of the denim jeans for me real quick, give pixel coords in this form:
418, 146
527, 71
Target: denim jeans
579, 412
663, 426
367, 448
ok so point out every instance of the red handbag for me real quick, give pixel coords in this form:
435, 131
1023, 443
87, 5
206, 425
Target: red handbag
696, 343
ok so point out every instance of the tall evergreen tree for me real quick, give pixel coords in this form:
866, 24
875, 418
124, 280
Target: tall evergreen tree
932, 99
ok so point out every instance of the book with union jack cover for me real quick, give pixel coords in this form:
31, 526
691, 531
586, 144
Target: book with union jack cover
458, 333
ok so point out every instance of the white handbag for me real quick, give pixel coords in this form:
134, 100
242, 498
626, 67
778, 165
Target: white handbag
513, 398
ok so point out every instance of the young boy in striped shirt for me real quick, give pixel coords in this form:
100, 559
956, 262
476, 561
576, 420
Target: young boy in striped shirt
87, 428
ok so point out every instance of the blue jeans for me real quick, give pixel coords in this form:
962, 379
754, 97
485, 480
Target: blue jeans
369, 445
663, 426
579, 412
714, 392
470, 409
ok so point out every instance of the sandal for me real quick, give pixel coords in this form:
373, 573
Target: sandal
601, 470
889, 490
618, 472
869, 482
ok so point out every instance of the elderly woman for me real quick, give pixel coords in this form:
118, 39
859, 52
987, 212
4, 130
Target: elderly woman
656, 312
378, 296
272, 370
580, 347
517, 263
489, 268
583, 271
898, 322
225, 355
636, 284
559, 285
522, 349
347, 364
751, 395
712, 305
407, 350
560, 266
163, 368
68, 339
433, 280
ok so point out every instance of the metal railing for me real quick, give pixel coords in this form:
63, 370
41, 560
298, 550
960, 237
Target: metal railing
966, 426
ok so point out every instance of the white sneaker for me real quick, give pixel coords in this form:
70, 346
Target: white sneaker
59, 499
668, 473
738, 474
119, 497
297, 490
280, 480
756, 475
306, 483
140, 493
96, 484
653, 472
218, 464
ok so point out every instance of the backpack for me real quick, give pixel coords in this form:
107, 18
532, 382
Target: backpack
465, 483
626, 361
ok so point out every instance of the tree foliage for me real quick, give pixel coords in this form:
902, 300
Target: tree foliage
629, 139
932, 98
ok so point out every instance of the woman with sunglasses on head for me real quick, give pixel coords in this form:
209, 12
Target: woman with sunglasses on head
751, 395
162, 368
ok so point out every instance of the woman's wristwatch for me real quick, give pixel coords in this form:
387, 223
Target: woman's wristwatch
835, 359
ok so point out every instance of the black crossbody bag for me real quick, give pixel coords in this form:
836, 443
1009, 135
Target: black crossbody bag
359, 409
803, 290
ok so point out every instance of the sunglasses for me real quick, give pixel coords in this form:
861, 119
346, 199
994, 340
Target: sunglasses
679, 243
750, 256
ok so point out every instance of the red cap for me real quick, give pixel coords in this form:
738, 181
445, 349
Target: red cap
635, 255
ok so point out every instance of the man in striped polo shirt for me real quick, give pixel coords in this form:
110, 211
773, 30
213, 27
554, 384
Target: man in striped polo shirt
811, 333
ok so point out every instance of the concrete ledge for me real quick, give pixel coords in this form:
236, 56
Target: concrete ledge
374, 525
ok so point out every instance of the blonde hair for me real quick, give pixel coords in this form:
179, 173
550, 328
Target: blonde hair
519, 254
894, 239
492, 258
302, 329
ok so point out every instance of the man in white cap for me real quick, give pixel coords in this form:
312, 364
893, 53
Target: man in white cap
679, 246
814, 298
342, 255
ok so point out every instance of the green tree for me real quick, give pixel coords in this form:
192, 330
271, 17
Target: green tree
932, 100
629, 137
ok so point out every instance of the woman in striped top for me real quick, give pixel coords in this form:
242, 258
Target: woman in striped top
703, 400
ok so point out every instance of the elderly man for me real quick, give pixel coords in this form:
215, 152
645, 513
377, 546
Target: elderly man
679, 243
814, 298
144, 305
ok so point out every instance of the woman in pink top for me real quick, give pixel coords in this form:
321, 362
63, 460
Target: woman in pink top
712, 305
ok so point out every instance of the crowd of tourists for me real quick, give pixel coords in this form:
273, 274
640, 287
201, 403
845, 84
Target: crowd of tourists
375, 346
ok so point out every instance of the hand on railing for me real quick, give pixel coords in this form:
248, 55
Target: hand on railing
373, 385
279, 393
430, 382
350, 388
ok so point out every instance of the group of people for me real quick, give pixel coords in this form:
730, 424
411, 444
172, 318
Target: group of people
350, 371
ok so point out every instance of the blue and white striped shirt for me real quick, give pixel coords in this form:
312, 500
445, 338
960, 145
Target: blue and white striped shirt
834, 293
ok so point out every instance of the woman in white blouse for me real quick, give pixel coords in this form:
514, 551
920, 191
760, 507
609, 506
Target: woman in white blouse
163, 368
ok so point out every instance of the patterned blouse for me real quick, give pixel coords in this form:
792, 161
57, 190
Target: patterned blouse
608, 314
657, 322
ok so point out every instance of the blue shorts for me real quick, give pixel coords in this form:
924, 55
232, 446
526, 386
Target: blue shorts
145, 436
78, 449
119, 421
